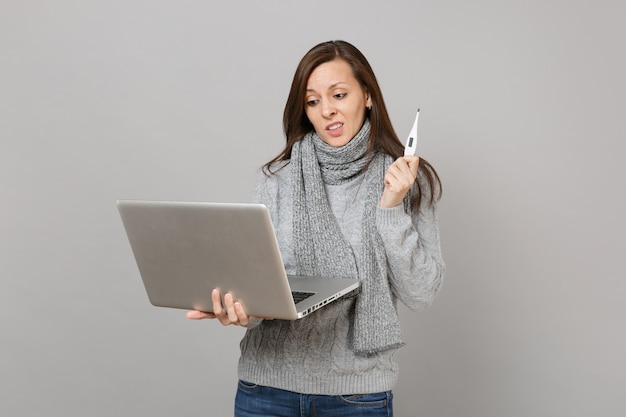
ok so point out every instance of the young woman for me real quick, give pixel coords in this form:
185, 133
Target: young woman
345, 202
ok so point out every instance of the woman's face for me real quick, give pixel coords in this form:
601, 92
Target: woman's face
335, 102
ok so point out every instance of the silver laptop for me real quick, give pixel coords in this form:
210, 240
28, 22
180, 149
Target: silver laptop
186, 249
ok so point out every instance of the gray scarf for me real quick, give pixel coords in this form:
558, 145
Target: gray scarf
320, 247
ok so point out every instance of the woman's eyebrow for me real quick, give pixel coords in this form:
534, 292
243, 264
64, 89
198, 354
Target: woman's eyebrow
329, 87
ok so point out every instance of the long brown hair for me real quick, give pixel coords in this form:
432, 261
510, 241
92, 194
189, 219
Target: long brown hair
383, 137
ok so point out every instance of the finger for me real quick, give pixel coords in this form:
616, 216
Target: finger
413, 162
219, 309
404, 171
199, 315
241, 314
408, 164
393, 173
229, 306
216, 298
397, 181
410, 158
401, 167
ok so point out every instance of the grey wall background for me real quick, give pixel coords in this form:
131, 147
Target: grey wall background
522, 113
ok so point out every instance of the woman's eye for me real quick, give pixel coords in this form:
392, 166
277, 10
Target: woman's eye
339, 96
312, 102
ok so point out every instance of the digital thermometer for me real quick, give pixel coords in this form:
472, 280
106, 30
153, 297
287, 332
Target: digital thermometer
411, 142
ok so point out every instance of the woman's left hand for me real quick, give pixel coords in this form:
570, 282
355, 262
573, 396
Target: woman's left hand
229, 313
399, 178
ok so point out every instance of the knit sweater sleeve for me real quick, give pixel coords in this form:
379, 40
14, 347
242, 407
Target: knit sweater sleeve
413, 250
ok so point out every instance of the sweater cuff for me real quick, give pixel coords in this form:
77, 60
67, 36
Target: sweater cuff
253, 322
390, 216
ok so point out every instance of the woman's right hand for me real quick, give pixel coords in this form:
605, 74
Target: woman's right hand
231, 313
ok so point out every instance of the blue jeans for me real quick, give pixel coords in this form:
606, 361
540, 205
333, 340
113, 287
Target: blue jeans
258, 401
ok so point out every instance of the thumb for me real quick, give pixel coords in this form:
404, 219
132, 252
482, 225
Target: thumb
413, 162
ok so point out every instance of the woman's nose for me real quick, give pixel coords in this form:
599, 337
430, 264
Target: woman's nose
328, 110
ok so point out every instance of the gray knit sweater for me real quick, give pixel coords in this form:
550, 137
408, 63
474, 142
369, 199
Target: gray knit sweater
313, 355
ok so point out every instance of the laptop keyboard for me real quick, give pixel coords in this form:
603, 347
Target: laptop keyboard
300, 295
